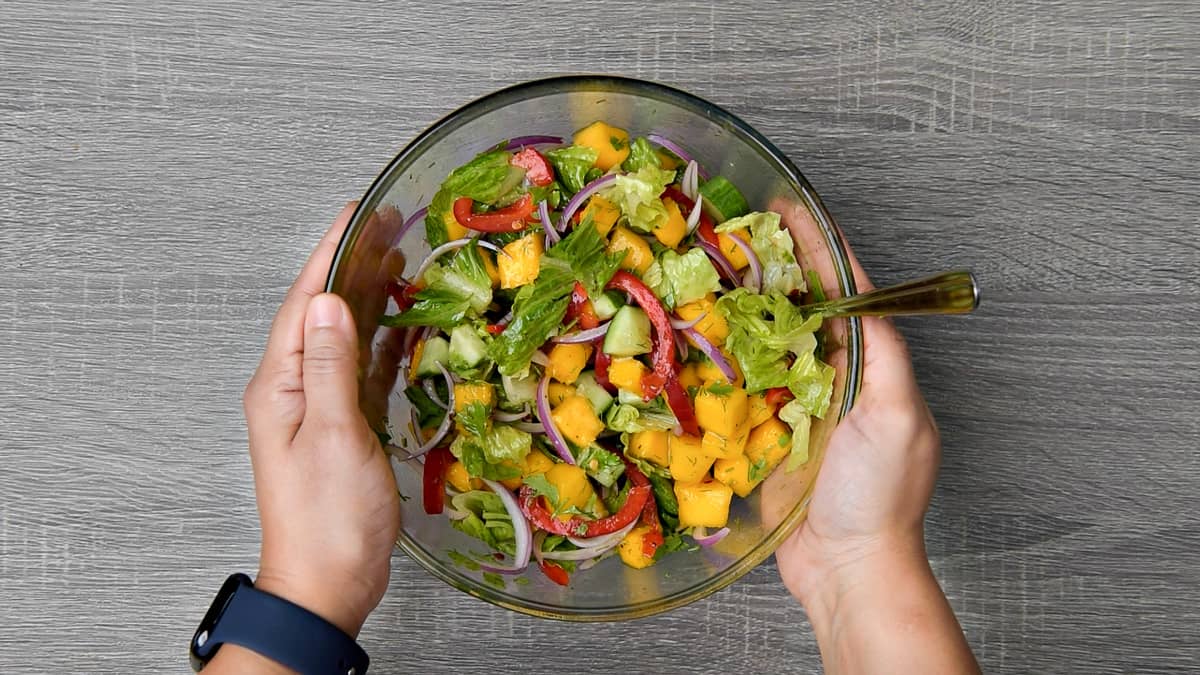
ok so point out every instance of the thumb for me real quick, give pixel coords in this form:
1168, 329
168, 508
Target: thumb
330, 366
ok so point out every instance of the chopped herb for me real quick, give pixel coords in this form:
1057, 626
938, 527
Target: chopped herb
493, 579
616, 142
462, 560
720, 388
758, 470
475, 418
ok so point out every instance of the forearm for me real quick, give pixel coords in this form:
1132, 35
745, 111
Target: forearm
233, 659
885, 613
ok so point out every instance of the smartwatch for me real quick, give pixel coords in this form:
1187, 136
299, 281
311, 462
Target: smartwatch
279, 630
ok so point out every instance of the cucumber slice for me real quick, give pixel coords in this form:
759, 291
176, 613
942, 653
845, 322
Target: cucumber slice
587, 387
629, 333
607, 304
722, 200
519, 390
436, 351
467, 350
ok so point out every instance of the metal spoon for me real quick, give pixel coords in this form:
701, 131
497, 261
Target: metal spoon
952, 292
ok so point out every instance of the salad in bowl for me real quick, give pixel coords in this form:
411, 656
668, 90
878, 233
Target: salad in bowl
604, 347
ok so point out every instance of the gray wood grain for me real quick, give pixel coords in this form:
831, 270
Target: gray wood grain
165, 167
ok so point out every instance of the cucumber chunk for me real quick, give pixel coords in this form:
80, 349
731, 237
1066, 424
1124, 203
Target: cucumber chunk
436, 351
722, 200
467, 349
587, 387
607, 304
629, 333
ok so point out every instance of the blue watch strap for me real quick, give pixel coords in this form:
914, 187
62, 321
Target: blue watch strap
279, 630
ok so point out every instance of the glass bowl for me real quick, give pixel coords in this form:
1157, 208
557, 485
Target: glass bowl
371, 253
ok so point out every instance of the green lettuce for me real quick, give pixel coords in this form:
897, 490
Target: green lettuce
637, 195
766, 331
629, 418
796, 415
485, 455
484, 179
641, 154
583, 252
603, 465
680, 279
453, 291
486, 519
571, 165
774, 248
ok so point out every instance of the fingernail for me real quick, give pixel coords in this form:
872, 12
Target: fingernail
325, 311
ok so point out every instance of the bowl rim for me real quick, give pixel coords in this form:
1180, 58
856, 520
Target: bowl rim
837, 250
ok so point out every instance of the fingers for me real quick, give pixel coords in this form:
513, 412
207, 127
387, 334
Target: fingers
274, 398
330, 366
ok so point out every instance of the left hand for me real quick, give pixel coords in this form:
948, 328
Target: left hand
327, 499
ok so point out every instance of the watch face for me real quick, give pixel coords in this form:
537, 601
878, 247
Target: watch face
202, 648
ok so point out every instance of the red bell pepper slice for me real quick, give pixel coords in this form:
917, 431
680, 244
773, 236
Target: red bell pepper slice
554, 573
534, 508
580, 308
654, 537
705, 228
495, 328
681, 406
508, 219
537, 169
603, 361
663, 356
404, 294
777, 395
434, 479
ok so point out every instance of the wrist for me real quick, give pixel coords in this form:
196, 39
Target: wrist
323, 598
830, 586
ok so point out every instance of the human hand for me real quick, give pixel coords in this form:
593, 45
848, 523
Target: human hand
327, 500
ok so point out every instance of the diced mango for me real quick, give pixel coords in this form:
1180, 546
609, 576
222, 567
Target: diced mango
632, 549
689, 463
671, 232
514, 482
454, 229
521, 264
489, 266
577, 421
736, 474
459, 479
536, 462
769, 443
567, 361
573, 486
638, 255
724, 413
651, 446
603, 212
725, 447
466, 393
667, 160
703, 504
689, 378
626, 373
733, 252
713, 326
760, 410
556, 393
610, 143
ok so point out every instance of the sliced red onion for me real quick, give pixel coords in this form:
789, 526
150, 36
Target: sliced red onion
522, 141
543, 411
501, 416
577, 201
689, 183
719, 259
603, 541
521, 532
710, 350
680, 324
544, 215
756, 269
431, 392
530, 427
704, 539
589, 564
455, 514
450, 246
681, 346
539, 537
679, 152
417, 215
583, 335
693, 218
447, 420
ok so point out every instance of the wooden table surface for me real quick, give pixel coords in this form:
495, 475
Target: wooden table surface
165, 168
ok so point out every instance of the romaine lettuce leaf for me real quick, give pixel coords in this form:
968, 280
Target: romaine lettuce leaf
680, 279
487, 519
641, 154
797, 417
774, 248
572, 164
628, 418
453, 291
483, 456
583, 251
483, 179
603, 465
637, 195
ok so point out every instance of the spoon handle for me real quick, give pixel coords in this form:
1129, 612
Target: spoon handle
947, 293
